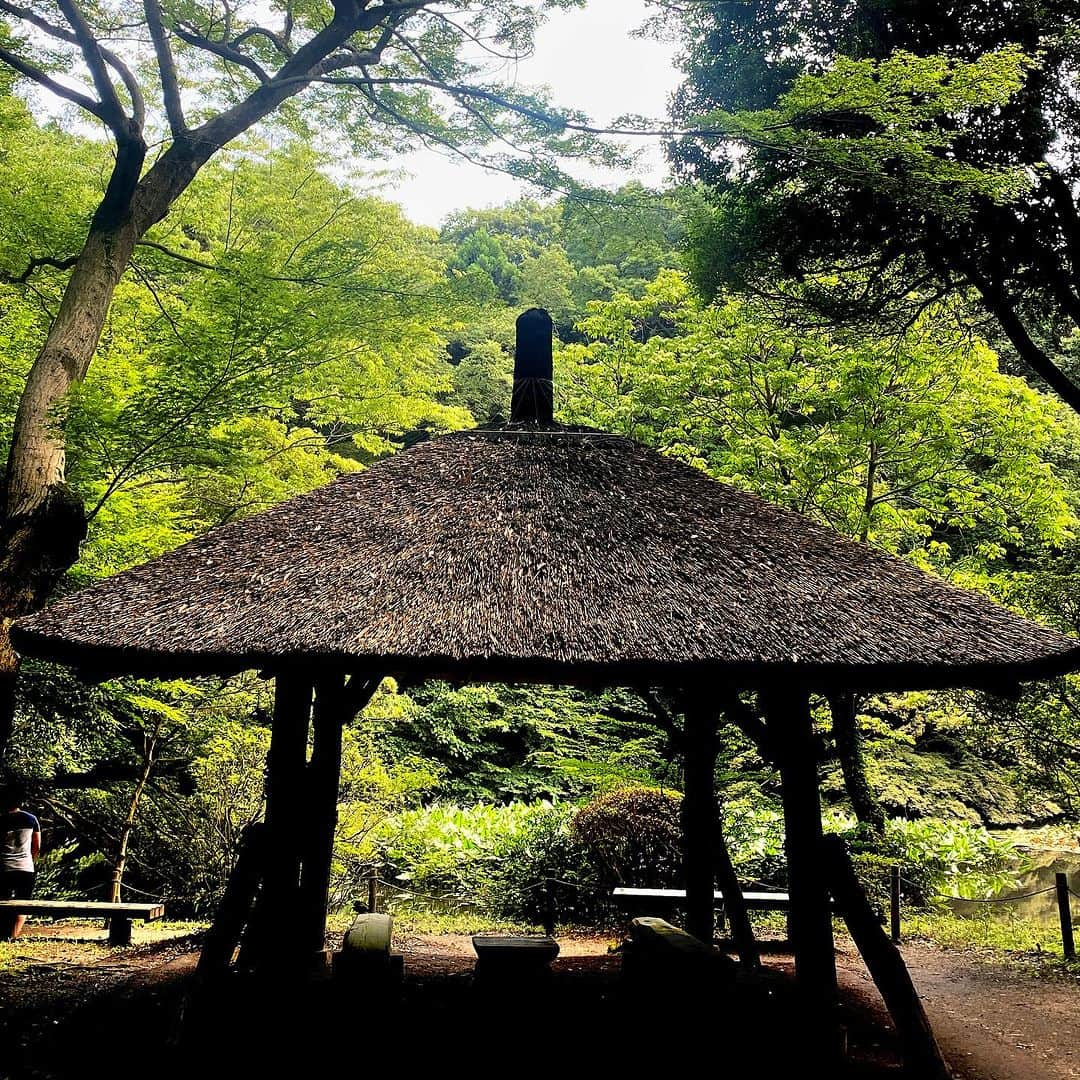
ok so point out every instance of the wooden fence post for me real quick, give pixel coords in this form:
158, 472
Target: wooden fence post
894, 904
1068, 945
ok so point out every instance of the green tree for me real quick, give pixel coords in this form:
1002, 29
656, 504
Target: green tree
914, 148
194, 80
917, 444
282, 330
921, 446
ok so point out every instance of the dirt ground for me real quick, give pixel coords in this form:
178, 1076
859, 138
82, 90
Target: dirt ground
66, 997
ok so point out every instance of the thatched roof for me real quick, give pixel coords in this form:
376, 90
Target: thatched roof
548, 554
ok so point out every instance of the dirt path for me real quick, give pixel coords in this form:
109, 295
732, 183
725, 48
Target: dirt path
993, 1021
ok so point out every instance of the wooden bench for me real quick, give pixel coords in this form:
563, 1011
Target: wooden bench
665, 901
120, 916
755, 901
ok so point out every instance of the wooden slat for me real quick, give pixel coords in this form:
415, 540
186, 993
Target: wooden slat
761, 901
67, 909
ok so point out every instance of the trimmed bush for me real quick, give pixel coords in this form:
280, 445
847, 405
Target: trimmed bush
633, 837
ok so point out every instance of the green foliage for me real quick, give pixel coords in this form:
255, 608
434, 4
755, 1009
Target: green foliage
913, 150
895, 125
529, 742
920, 445
954, 859
449, 855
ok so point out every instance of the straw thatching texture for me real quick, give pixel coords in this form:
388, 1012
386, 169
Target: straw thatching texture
553, 555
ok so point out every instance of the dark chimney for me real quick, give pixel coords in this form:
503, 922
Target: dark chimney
532, 399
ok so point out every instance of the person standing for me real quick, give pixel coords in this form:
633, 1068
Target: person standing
20, 845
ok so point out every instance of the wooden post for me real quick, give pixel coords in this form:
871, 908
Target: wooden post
278, 902
922, 1056
1068, 945
699, 743
894, 903
373, 892
791, 730
698, 822
336, 703
324, 774
742, 933
224, 934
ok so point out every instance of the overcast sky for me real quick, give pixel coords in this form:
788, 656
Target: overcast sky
589, 60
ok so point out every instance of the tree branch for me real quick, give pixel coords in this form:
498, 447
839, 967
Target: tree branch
25, 68
61, 34
179, 256
275, 39
170, 84
36, 264
1001, 307
116, 118
223, 49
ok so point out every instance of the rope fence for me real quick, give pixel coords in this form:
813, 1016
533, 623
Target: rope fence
1061, 887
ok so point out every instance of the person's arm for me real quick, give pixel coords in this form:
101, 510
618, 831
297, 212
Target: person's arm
35, 844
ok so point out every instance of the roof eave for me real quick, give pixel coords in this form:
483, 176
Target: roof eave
95, 663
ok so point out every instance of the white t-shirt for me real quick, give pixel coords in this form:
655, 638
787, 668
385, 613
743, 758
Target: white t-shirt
17, 829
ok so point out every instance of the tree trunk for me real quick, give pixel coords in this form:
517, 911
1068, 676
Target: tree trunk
120, 862
849, 750
43, 522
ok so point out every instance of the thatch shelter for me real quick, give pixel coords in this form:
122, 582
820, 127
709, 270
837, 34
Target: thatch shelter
539, 552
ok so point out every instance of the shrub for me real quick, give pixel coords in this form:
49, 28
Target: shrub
543, 869
633, 837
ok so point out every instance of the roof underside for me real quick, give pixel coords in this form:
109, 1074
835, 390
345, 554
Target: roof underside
556, 556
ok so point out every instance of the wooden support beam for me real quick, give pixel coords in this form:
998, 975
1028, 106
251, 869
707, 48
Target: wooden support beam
337, 702
698, 821
791, 733
324, 775
922, 1056
278, 898
699, 743
235, 908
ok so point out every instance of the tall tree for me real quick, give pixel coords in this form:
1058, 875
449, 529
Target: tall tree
172, 83
828, 178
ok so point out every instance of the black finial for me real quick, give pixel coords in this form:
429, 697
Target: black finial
532, 399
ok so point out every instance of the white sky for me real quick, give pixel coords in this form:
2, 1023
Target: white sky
589, 60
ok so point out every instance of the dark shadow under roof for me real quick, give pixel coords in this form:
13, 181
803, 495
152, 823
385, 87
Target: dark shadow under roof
550, 555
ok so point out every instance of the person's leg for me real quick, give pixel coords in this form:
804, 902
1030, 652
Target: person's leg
7, 892
24, 889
